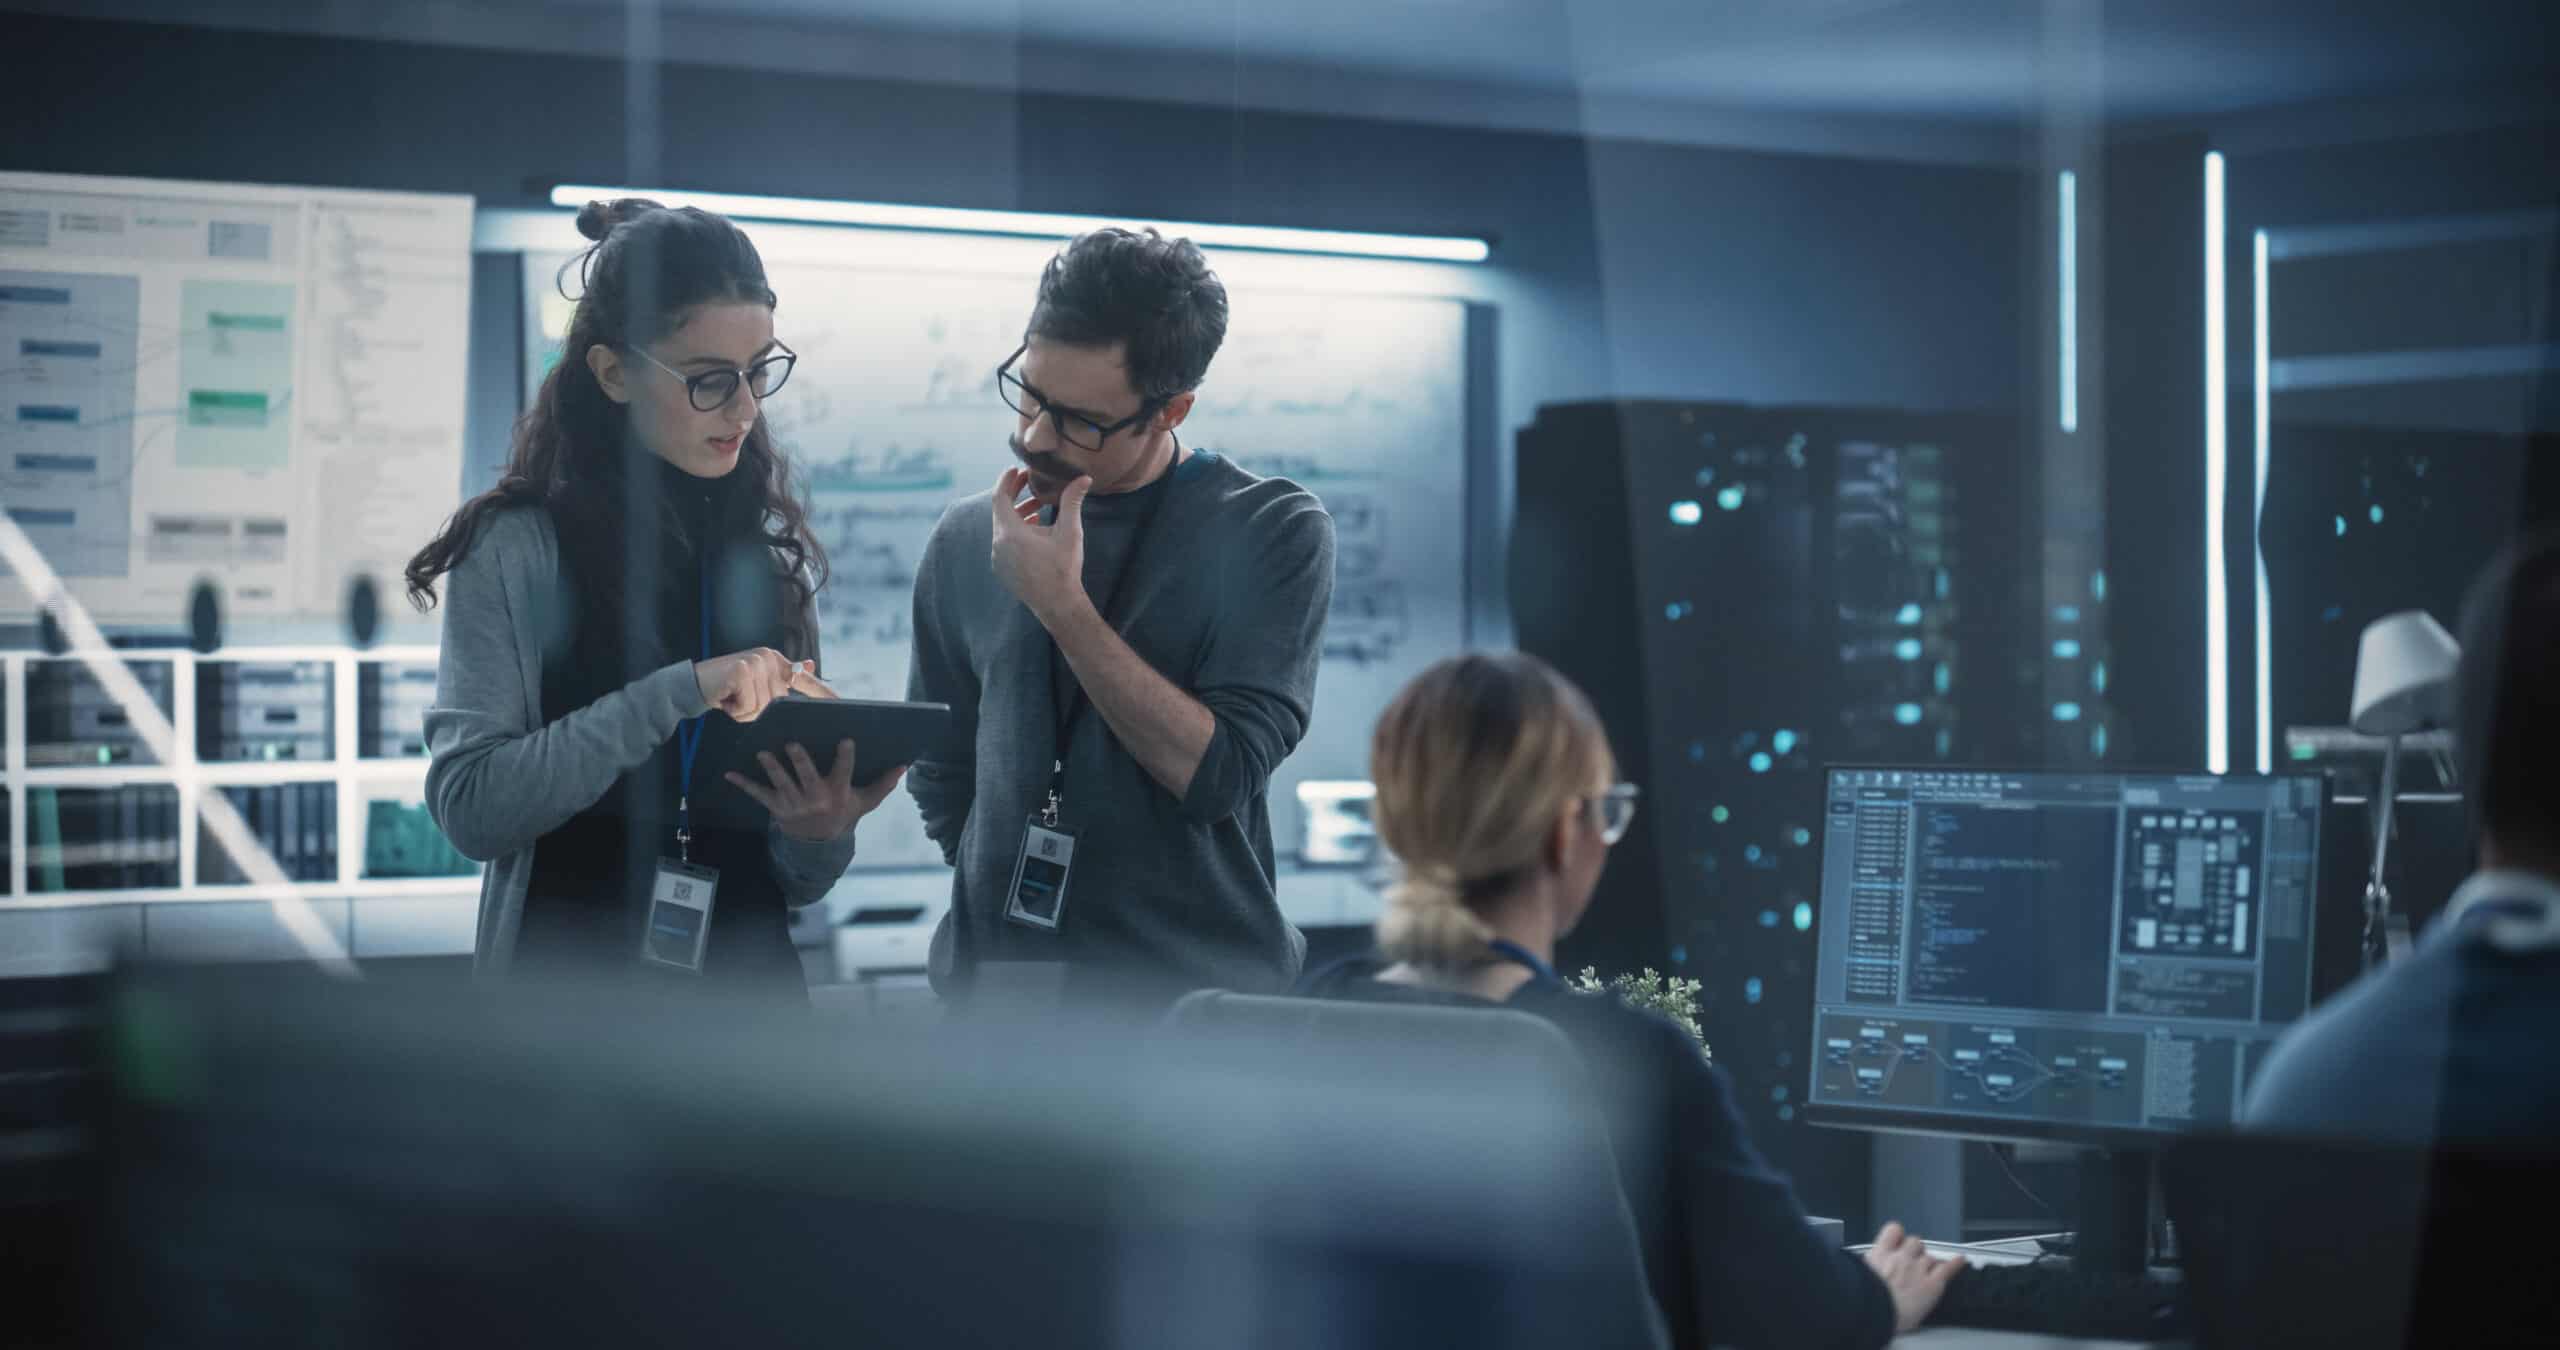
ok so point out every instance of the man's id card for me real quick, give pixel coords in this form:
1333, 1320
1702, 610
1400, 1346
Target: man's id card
1039, 895
680, 898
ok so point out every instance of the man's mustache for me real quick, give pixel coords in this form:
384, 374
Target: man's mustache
1048, 467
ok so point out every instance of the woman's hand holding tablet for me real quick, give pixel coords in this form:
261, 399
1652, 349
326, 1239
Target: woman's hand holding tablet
770, 765
807, 804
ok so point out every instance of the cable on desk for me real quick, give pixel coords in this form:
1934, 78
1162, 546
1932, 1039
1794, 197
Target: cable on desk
2000, 1154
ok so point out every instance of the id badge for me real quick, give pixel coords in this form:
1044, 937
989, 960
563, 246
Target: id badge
680, 899
1039, 895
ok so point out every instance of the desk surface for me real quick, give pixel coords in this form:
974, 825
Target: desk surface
1966, 1338
2013, 1251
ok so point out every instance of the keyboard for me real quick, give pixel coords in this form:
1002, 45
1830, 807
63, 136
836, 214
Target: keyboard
2050, 1298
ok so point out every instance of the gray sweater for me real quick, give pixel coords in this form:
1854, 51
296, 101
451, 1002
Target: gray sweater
500, 779
1228, 603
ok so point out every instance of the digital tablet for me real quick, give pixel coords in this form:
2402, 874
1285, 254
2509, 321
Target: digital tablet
885, 736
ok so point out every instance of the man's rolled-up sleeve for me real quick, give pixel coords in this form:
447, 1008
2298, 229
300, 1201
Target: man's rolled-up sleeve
1258, 674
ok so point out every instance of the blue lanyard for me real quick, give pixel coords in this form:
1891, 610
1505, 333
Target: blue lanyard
1513, 951
689, 738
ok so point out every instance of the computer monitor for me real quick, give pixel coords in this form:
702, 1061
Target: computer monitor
2095, 957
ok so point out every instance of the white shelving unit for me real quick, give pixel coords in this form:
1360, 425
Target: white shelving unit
356, 781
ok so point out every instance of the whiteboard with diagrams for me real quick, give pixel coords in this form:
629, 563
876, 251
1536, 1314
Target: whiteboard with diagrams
892, 413
260, 387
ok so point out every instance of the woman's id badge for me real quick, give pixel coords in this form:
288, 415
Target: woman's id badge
680, 898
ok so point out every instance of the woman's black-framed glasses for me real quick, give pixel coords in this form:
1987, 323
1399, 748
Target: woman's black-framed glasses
1076, 427
711, 390
1614, 811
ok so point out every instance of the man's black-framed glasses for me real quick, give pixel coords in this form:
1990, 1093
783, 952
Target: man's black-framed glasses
711, 390
1076, 427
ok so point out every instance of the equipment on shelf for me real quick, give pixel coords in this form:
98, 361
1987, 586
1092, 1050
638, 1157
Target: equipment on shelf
297, 823
400, 840
102, 838
264, 711
72, 721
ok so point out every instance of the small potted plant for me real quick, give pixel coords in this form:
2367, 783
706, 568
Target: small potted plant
1652, 991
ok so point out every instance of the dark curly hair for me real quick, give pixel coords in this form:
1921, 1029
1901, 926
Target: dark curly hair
647, 267
1155, 294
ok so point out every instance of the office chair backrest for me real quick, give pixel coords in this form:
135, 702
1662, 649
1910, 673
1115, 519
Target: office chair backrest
401, 1163
1497, 1095
1472, 1041
2302, 1242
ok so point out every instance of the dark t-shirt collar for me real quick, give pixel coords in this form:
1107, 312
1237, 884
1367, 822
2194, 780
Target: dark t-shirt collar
1135, 505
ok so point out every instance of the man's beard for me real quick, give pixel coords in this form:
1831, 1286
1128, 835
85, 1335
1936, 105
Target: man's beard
1049, 471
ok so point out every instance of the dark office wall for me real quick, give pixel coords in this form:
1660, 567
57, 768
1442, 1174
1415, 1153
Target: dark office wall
2155, 361
2483, 170
2154, 345
2390, 497
1793, 280
1630, 268
2490, 292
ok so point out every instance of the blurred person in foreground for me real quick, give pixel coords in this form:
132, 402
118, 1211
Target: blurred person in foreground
2451, 1043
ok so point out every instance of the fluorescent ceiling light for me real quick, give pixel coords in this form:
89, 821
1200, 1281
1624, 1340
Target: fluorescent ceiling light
1039, 224
2217, 597
2067, 251
2259, 396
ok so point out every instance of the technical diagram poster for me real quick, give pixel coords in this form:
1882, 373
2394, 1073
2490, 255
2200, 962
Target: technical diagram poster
892, 413
258, 386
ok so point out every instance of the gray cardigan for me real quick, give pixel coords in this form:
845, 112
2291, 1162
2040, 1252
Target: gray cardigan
500, 779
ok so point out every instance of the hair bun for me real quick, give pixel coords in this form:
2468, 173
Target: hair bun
1429, 884
1427, 922
597, 219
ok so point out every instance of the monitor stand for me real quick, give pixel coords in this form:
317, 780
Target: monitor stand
2114, 1236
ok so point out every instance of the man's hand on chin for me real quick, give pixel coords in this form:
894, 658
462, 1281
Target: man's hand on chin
1042, 565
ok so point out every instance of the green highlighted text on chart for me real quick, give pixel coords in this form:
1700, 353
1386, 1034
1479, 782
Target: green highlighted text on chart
236, 369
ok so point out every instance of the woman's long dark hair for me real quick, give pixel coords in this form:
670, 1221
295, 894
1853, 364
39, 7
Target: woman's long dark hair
647, 267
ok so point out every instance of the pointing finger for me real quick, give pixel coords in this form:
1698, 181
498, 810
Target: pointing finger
802, 681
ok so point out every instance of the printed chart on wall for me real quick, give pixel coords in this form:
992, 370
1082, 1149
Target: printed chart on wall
893, 413
258, 386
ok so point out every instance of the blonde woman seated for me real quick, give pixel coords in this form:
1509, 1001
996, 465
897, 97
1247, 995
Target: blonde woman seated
1497, 792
